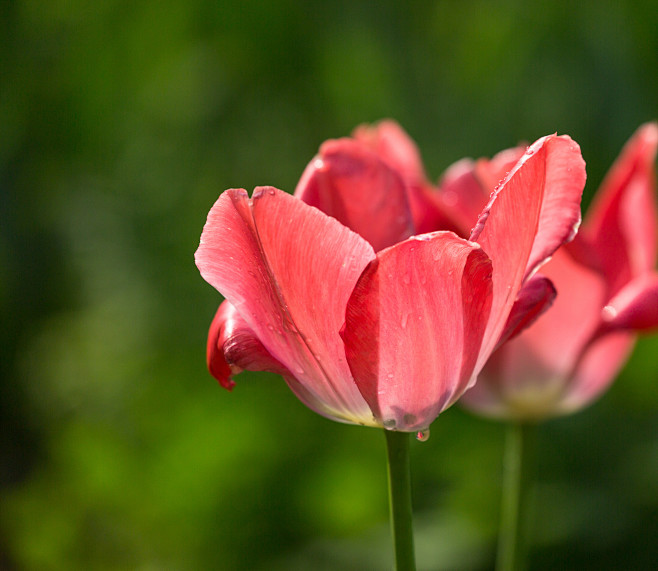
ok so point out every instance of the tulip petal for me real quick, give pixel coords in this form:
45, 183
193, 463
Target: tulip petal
492, 172
533, 212
350, 183
217, 363
414, 326
288, 269
635, 307
535, 297
463, 190
597, 369
233, 347
466, 186
563, 181
392, 144
462, 194
622, 220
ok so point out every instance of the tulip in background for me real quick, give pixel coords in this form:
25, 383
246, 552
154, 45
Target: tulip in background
607, 292
369, 319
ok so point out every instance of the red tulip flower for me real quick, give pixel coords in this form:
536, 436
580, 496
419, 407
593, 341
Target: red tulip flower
369, 320
607, 292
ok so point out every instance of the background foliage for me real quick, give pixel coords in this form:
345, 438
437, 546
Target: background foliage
120, 124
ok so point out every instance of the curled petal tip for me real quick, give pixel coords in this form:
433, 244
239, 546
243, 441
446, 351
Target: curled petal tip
233, 347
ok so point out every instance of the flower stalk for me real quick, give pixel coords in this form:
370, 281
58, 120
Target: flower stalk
399, 486
512, 539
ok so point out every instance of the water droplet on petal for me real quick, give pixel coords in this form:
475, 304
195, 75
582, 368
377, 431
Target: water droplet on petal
423, 435
389, 423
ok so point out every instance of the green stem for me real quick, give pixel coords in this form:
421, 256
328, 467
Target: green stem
514, 507
399, 494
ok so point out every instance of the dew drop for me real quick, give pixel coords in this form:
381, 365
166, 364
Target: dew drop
423, 435
403, 323
530, 151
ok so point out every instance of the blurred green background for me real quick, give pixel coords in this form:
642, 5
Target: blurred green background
120, 124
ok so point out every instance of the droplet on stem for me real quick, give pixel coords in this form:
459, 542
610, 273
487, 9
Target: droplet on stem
423, 435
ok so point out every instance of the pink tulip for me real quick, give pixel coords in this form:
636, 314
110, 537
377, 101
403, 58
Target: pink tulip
369, 321
607, 292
